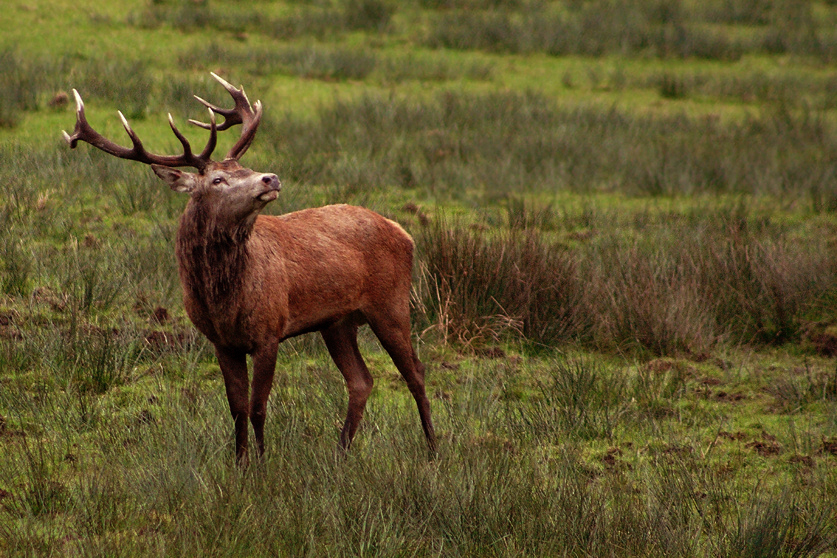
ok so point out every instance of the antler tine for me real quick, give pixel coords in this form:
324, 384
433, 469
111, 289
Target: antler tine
248, 133
231, 116
84, 131
187, 147
72, 141
242, 113
213, 136
210, 145
131, 134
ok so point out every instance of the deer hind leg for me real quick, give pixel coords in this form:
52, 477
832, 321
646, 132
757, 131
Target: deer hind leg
234, 368
264, 366
341, 341
393, 331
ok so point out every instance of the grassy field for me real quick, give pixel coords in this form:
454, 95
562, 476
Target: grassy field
625, 289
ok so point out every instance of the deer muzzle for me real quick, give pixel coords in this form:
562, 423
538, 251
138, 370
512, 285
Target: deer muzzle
272, 188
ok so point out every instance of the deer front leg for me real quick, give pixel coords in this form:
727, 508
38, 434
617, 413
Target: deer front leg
264, 366
234, 369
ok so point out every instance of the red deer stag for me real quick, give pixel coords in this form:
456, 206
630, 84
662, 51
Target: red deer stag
251, 281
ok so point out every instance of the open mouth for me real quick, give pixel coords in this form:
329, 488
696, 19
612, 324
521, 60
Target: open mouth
268, 196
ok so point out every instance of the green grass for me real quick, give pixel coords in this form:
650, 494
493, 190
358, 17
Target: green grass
538, 456
625, 219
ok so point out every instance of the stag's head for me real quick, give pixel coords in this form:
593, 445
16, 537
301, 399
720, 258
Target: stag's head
225, 189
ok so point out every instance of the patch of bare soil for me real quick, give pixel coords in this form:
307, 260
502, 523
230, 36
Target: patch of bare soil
737, 436
766, 447
490, 352
680, 450
804, 461
659, 365
416, 210
8, 317
723, 396
10, 332
45, 295
163, 341
613, 462
8, 325
160, 316
829, 446
6, 432
823, 337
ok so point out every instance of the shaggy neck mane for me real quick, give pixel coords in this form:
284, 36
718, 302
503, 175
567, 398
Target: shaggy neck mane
213, 255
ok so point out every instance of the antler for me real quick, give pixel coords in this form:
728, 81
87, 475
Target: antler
242, 113
85, 132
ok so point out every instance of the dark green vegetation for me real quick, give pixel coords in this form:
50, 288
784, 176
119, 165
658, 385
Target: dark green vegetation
625, 290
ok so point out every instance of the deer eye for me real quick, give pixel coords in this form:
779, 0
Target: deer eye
218, 180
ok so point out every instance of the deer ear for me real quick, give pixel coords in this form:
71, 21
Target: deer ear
177, 180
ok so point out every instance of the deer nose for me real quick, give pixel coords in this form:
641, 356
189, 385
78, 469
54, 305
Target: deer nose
272, 180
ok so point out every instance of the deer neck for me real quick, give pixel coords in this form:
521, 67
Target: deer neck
213, 255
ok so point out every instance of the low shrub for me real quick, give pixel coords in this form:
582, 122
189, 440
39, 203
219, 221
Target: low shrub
665, 288
475, 288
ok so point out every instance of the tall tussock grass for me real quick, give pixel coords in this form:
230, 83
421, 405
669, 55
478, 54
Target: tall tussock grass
477, 287
664, 287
